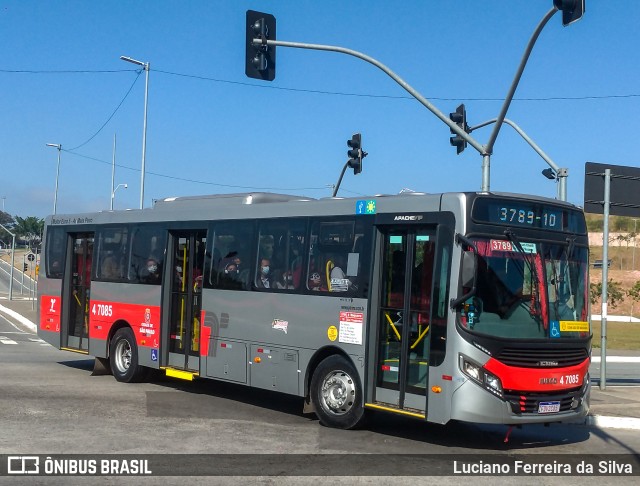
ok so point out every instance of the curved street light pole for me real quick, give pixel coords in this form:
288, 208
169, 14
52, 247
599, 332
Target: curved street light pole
560, 173
55, 194
113, 193
145, 66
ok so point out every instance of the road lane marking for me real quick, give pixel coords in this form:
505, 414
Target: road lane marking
6, 340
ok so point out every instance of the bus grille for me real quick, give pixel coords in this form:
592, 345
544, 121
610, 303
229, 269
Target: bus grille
542, 358
524, 402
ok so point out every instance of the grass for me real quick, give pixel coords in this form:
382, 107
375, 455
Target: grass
620, 335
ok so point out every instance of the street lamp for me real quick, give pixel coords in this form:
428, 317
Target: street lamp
113, 193
145, 66
55, 194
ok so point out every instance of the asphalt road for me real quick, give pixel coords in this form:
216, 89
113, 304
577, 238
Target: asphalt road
51, 404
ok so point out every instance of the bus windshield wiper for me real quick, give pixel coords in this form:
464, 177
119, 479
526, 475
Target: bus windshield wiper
531, 265
525, 256
571, 244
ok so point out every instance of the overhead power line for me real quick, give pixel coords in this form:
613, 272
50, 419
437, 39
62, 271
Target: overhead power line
398, 97
315, 91
63, 71
194, 181
110, 116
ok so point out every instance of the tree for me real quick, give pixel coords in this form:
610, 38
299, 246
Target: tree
29, 229
7, 221
621, 223
615, 293
634, 292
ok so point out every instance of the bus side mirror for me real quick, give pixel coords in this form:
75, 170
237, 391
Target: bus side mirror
468, 272
468, 277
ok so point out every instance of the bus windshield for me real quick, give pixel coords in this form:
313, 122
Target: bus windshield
528, 290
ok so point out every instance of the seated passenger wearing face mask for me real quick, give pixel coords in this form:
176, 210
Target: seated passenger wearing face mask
263, 279
151, 273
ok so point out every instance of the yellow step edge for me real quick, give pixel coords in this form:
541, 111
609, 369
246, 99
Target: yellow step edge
394, 410
183, 375
81, 351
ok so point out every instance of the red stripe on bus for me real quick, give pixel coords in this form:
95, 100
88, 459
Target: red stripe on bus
538, 379
205, 335
144, 320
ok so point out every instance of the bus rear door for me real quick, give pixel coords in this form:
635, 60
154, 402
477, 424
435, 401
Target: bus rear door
76, 287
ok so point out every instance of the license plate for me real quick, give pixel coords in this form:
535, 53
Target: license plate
549, 407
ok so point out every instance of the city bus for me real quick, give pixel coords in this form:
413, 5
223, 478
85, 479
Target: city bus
455, 306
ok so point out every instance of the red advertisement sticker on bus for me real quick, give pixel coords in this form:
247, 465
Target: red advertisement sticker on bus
144, 320
50, 313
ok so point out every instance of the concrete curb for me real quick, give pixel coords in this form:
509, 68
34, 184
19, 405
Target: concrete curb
617, 359
22, 320
606, 422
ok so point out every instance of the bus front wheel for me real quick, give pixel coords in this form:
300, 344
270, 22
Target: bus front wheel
337, 394
123, 356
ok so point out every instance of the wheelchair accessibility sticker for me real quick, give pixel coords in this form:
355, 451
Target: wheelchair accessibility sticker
554, 329
154, 355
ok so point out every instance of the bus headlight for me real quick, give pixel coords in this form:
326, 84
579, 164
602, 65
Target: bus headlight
481, 376
472, 370
493, 382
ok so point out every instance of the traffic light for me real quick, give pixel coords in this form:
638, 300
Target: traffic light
355, 153
260, 62
26, 267
460, 119
572, 10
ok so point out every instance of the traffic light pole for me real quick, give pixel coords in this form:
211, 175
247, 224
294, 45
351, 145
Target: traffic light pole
337, 186
426, 103
516, 80
561, 173
569, 8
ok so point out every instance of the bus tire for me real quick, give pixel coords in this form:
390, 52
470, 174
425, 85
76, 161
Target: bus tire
123, 356
337, 394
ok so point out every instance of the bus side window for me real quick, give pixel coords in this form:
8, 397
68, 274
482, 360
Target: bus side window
147, 244
56, 245
228, 264
110, 258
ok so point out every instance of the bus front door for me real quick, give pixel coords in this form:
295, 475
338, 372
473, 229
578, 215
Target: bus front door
76, 292
402, 364
187, 263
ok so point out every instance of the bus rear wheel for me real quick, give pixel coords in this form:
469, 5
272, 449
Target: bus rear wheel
337, 394
123, 356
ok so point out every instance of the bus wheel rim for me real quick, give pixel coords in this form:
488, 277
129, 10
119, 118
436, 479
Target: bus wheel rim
338, 393
123, 355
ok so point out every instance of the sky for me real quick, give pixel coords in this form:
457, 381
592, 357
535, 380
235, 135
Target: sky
210, 129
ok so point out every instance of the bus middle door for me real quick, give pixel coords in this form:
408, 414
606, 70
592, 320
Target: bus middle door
187, 263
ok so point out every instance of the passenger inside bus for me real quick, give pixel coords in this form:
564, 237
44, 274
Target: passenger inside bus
110, 267
285, 281
315, 283
151, 273
266, 246
263, 279
338, 281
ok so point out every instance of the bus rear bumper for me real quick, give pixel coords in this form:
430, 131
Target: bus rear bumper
471, 403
